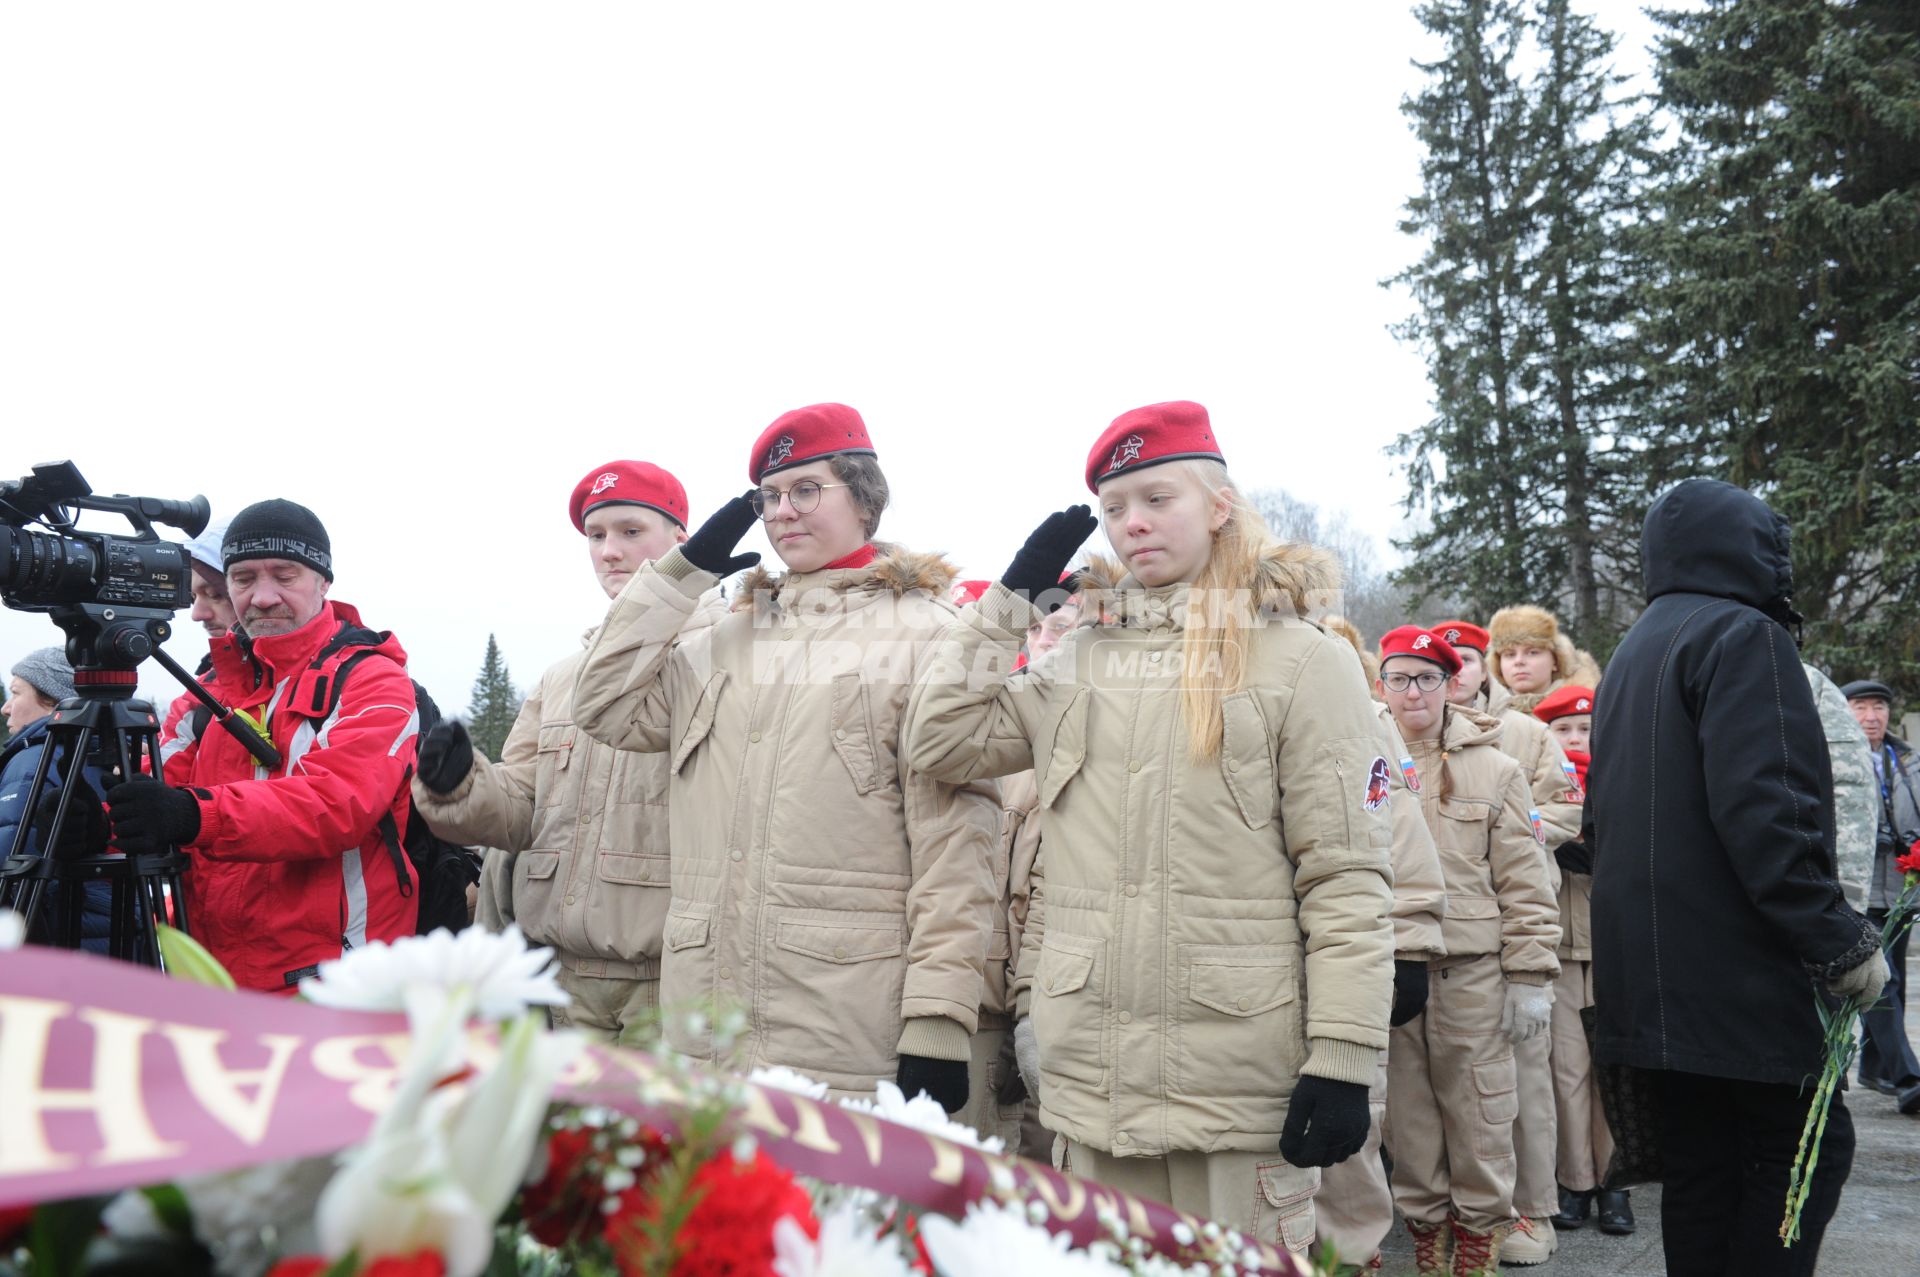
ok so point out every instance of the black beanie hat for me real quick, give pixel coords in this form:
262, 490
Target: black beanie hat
278, 529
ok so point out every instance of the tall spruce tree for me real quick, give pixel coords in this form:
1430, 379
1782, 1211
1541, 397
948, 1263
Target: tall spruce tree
494, 706
1784, 300
1474, 466
1527, 479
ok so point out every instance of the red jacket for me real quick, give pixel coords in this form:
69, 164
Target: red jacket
292, 867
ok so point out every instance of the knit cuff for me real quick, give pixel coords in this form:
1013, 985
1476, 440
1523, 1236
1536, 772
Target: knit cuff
675, 566
1339, 1061
935, 1037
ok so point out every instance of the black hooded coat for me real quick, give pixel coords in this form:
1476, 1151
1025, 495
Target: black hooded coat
1715, 905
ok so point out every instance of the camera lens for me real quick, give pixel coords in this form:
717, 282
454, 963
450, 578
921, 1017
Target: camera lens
40, 570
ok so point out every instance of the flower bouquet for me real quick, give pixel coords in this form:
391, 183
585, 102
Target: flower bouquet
1839, 1025
414, 1116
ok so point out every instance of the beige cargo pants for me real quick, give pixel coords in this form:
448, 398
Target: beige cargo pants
609, 1007
985, 1076
1261, 1195
1353, 1211
1585, 1143
1452, 1091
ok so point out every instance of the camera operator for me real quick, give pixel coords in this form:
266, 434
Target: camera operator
293, 867
212, 607
40, 680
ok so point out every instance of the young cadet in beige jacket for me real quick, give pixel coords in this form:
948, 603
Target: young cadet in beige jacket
578, 831
1451, 1078
1210, 950
838, 895
1535, 650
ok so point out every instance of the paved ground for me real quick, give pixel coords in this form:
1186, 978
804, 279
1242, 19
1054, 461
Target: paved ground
1877, 1230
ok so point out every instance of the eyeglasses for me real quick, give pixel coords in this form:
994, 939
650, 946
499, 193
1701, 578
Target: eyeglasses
803, 496
1397, 682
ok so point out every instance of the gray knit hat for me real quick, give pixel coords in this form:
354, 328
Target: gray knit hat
46, 671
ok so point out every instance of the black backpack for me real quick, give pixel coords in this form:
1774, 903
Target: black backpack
445, 870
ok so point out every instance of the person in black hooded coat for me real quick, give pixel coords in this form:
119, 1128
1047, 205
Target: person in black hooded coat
1717, 914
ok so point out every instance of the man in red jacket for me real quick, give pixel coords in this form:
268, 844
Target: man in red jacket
299, 863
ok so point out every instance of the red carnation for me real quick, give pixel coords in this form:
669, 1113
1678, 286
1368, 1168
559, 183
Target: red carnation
729, 1231
1909, 863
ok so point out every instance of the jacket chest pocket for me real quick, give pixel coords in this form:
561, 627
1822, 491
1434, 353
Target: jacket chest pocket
854, 733
837, 983
1245, 762
1065, 749
700, 722
555, 774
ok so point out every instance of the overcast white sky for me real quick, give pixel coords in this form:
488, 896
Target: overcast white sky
422, 266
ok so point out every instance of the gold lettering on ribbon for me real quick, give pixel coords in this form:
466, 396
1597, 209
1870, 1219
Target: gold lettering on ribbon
760, 1116
869, 1132
370, 1086
1046, 1189
217, 1087
811, 1128
114, 1098
948, 1165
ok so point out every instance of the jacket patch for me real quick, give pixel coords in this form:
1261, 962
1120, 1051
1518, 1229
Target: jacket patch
1539, 830
1575, 793
1410, 774
1378, 778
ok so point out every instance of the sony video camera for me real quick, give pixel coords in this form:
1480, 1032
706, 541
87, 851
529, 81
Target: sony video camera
44, 571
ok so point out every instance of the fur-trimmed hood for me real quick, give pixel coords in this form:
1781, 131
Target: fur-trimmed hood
1292, 579
895, 570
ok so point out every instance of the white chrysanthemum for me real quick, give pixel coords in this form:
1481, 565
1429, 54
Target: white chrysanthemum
782, 1078
244, 1217
996, 1239
13, 930
923, 1113
848, 1247
497, 974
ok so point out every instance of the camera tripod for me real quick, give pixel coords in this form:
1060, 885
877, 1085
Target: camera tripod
103, 727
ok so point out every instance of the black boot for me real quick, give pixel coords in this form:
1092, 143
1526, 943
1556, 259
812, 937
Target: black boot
1616, 1212
1574, 1208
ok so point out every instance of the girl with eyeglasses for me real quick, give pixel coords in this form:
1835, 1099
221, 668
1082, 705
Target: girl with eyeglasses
1452, 1086
820, 884
1207, 965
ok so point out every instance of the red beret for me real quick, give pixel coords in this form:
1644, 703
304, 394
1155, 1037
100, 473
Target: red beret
1411, 640
628, 483
807, 434
1148, 436
965, 592
1571, 699
1462, 634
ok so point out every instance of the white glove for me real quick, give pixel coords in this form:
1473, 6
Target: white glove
1864, 981
1529, 1007
1026, 1053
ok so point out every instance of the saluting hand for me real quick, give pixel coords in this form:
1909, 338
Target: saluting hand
711, 548
1044, 557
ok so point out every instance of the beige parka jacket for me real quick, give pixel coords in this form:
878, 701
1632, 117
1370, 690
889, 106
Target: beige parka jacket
585, 826
820, 883
1200, 932
1499, 897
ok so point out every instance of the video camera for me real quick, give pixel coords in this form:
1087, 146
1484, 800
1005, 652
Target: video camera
65, 566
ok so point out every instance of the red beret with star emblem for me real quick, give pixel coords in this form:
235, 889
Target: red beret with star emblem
1412, 640
628, 483
1174, 431
1571, 699
1462, 634
807, 434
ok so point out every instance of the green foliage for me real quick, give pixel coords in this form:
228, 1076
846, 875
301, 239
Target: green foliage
1522, 297
494, 706
187, 959
1783, 296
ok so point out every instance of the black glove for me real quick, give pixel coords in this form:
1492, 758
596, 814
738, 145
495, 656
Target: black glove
1409, 991
944, 1080
151, 816
1327, 1121
446, 756
1013, 1088
1575, 856
1043, 558
711, 548
85, 831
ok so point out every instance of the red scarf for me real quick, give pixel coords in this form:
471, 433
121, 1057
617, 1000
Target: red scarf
858, 559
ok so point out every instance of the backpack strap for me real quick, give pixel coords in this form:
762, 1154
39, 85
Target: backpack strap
390, 834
